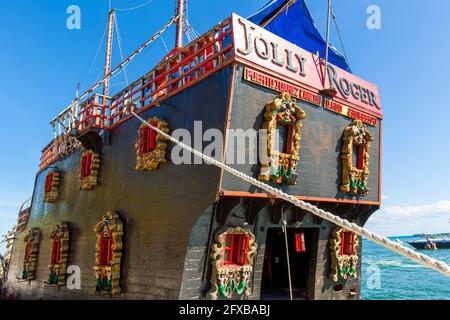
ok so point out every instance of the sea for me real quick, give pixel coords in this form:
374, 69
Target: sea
389, 276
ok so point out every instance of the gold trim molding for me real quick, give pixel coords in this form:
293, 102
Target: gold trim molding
355, 180
108, 276
343, 266
282, 167
222, 274
30, 258
89, 182
57, 271
52, 195
153, 159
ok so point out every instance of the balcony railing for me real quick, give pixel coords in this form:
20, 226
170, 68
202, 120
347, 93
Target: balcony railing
180, 69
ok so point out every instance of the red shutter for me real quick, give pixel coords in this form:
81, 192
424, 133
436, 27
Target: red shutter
347, 241
143, 140
105, 253
228, 251
56, 251
48, 182
300, 245
361, 156
85, 166
240, 249
152, 137
28, 249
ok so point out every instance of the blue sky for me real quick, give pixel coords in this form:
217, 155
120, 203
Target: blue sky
42, 61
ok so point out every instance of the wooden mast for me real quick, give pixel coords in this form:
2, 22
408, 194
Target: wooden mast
179, 32
108, 52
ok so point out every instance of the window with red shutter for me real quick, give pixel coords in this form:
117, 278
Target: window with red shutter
347, 241
48, 182
236, 250
105, 251
56, 251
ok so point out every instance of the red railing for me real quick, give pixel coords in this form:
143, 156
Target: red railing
180, 69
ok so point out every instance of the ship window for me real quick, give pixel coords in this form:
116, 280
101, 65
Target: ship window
147, 139
347, 243
85, 166
105, 251
236, 249
48, 182
56, 251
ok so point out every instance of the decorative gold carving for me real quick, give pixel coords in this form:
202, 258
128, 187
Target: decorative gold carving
282, 167
153, 159
52, 195
31, 253
227, 280
107, 274
354, 179
58, 264
343, 266
90, 181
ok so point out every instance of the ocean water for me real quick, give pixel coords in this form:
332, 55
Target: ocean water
389, 276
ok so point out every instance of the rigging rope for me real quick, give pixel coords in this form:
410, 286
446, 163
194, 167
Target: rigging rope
340, 37
136, 7
119, 41
117, 68
95, 58
422, 259
283, 214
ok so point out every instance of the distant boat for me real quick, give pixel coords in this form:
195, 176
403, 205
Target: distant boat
431, 243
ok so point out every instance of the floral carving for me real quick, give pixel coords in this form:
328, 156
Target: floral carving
31, 253
51, 189
60, 237
89, 168
108, 254
355, 178
282, 167
150, 158
343, 264
229, 279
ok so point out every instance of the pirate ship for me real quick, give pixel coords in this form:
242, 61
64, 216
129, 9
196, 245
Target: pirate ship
109, 200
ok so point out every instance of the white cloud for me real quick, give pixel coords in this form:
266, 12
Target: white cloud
384, 197
437, 208
408, 220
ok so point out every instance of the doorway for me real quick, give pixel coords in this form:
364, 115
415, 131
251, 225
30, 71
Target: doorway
302, 245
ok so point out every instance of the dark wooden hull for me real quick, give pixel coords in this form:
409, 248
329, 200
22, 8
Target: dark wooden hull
171, 215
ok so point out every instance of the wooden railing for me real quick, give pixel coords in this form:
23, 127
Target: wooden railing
180, 69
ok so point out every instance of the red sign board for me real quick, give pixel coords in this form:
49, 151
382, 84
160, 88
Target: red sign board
259, 47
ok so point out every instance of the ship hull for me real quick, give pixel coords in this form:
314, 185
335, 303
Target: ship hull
172, 216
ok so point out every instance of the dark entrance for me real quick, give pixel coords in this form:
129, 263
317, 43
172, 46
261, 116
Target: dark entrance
302, 254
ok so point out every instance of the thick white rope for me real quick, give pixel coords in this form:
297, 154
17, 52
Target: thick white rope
420, 258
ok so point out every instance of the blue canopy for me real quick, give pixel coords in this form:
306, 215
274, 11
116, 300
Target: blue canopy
297, 26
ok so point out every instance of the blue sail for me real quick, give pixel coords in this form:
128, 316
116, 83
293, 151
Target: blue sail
296, 25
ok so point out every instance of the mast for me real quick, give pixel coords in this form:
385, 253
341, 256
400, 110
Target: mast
180, 14
108, 52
